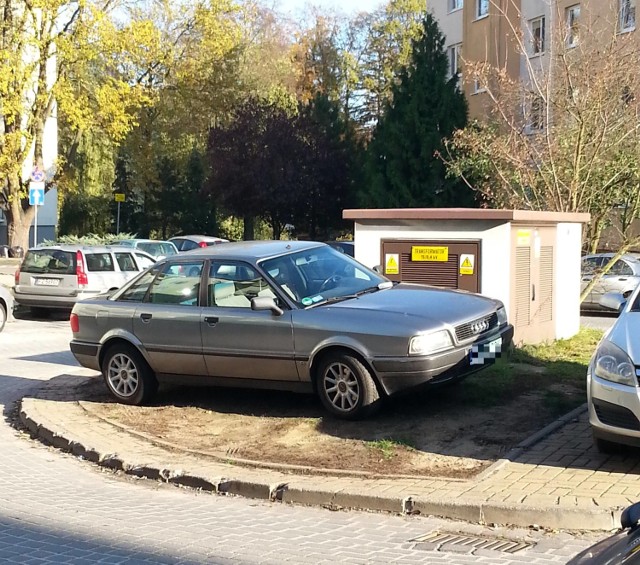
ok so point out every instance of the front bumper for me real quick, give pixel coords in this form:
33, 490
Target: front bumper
399, 373
614, 410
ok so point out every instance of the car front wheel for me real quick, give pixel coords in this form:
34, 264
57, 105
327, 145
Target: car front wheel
346, 387
127, 375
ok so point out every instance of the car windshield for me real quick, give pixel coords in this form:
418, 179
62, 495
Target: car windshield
321, 275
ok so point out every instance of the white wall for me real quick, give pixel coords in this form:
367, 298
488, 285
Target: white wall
495, 246
567, 283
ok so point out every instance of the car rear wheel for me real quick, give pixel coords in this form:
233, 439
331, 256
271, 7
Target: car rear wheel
127, 375
3, 315
346, 388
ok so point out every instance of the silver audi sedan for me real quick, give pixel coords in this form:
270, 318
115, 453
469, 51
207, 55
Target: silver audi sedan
290, 315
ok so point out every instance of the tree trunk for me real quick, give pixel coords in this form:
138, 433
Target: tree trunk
18, 220
248, 232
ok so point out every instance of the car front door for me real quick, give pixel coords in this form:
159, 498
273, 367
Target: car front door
237, 341
590, 266
168, 322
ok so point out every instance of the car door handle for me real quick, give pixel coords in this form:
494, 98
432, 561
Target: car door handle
146, 317
211, 320
622, 279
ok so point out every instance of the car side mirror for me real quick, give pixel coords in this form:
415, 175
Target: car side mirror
266, 303
378, 269
613, 301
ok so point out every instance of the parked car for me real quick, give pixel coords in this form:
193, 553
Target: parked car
623, 277
6, 306
157, 248
289, 315
57, 277
620, 547
190, 242
347, 247
613, 391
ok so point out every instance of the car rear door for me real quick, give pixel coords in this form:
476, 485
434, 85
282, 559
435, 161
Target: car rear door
168, 322
239, 342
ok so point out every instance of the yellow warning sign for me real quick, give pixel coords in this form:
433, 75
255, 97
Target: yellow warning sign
392, 264
429, 253
467, 263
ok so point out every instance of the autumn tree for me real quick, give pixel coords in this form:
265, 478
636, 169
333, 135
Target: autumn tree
65, 57
567, 138
403, 168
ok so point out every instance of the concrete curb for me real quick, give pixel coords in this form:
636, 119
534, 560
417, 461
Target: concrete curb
276, 485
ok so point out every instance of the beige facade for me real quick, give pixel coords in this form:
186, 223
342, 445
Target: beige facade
517, 36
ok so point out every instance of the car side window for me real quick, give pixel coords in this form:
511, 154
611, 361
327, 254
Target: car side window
177, 284
144, 262
126, 262
100, 262
138, 290
188, 245
590, 265
234, 284
621, 269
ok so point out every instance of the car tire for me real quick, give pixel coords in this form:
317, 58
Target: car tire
3, 315
127, 375
604, 446
346, 388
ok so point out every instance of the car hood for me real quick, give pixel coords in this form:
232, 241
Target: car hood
426, 302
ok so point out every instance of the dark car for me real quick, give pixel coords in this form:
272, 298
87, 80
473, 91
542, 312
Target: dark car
294, 315
621, 547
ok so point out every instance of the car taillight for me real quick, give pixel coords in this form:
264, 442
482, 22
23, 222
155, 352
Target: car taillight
80, 272
202, 244
17, 277
75, 323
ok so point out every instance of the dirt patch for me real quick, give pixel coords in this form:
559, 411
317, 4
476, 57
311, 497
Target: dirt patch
435, 432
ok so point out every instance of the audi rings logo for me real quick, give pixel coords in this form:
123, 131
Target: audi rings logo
479, 327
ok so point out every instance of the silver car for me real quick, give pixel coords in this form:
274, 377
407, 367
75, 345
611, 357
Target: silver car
157, 248
190, 242
613, 389
295, 315
56, 277
623, 278
6, 306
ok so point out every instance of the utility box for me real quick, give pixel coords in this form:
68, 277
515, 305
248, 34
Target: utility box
530, 260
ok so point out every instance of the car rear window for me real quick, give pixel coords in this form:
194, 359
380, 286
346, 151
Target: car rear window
99, 262
49, 261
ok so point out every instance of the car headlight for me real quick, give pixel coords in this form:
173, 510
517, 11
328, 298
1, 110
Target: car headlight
612, 364
426, 344
502, 316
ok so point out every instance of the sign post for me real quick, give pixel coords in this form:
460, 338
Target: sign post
36, 196
119, 198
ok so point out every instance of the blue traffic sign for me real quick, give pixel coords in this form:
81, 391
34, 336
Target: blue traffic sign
36, 194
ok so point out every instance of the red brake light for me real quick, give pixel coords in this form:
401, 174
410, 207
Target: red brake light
75, 323
80, 272
202, 244
17, 276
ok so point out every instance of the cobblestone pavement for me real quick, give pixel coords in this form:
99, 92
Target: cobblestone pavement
56, 508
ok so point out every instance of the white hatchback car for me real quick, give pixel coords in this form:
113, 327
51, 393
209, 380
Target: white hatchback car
613, 386
57, 277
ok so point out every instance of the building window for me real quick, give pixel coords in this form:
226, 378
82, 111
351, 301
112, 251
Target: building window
482, 8
537, 36
455, 5
455, 66
536, 120
627, 15
573, 17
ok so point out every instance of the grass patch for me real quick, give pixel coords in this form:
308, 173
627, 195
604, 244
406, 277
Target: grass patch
387, 447
557, 370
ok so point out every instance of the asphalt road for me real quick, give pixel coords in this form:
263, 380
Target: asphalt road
55, 508
599, 321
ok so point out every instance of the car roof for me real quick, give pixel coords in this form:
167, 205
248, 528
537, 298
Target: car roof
251, 249
83, 247
627, 256
198, 237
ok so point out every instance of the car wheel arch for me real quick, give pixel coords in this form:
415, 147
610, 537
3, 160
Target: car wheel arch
316, 361
119, 339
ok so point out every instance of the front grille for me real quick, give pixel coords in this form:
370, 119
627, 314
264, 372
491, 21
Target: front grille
614, 415
466, 330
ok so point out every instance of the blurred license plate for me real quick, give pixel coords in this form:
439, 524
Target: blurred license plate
486, 352
47, 282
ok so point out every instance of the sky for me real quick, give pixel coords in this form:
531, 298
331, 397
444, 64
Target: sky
348, 6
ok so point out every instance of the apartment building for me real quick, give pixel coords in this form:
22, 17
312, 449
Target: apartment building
517, 36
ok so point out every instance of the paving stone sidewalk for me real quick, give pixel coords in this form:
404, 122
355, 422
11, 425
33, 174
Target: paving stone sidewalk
555, 479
